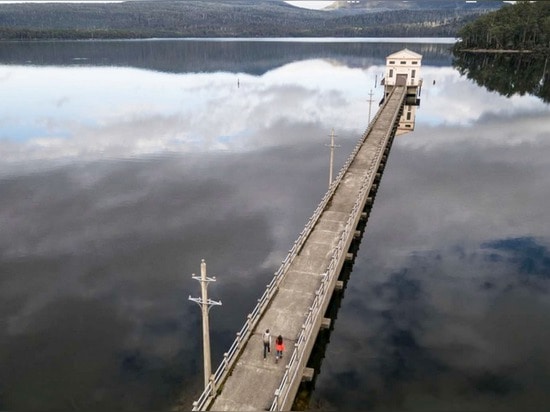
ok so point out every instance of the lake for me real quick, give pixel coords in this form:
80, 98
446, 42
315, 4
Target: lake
124, 163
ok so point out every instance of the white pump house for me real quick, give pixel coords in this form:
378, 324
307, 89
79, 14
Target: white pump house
403, 68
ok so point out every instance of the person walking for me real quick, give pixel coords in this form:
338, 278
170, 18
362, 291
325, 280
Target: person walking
267, 342
279, 347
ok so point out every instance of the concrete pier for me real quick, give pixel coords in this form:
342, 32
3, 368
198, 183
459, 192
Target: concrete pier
295, 302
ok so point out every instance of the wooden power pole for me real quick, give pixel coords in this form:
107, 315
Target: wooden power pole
205, 305
331, 164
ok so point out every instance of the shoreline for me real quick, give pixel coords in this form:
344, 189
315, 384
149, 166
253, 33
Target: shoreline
496, 51
438, 40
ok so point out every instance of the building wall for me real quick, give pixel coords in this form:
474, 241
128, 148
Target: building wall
407, 120
397, 65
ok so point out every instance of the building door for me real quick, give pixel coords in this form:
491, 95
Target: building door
401, 80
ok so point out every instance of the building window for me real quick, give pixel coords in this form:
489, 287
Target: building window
391, 73
408, 115
413, 73
414, 62
403, 62
391, 62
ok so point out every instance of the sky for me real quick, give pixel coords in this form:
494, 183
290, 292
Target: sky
59, 1
312, 4
308, 4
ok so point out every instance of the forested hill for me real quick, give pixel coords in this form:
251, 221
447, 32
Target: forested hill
522, 26
238, 18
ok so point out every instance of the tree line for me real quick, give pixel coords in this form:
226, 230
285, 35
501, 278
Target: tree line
237, 18
524, 25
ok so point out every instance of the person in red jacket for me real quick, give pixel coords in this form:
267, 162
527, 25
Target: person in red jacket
279, 347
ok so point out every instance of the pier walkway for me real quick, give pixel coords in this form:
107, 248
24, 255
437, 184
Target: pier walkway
295, 301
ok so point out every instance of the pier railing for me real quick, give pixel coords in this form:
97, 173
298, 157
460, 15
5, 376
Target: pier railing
231, 356
323, 293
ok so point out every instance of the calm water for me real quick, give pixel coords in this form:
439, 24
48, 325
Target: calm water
123, 164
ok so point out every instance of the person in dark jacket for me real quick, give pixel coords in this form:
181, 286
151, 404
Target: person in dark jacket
267, 342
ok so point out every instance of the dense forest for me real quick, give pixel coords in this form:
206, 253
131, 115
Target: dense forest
236, 18
523, 26
511, 46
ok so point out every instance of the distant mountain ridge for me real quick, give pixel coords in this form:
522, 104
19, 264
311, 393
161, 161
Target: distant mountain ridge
237, 18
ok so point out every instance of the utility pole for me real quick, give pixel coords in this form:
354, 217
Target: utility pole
370, 103
205, 305
332, 146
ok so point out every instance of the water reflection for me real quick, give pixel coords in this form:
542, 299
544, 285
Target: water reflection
447, 305
508, 74
252, 57
407, 120
96, 269
91, 113
116, 181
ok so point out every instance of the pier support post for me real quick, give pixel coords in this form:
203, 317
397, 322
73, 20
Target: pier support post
308, 374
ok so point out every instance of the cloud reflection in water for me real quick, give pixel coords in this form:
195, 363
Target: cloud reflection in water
123, 112
116, 182
447, 306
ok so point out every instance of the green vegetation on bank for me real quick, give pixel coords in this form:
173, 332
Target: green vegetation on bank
233, 18
522, 26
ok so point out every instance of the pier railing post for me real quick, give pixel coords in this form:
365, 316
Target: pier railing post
277, 404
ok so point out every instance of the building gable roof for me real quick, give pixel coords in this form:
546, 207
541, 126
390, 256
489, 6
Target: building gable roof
405, 53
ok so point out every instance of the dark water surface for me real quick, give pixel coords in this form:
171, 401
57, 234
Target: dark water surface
123, 164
